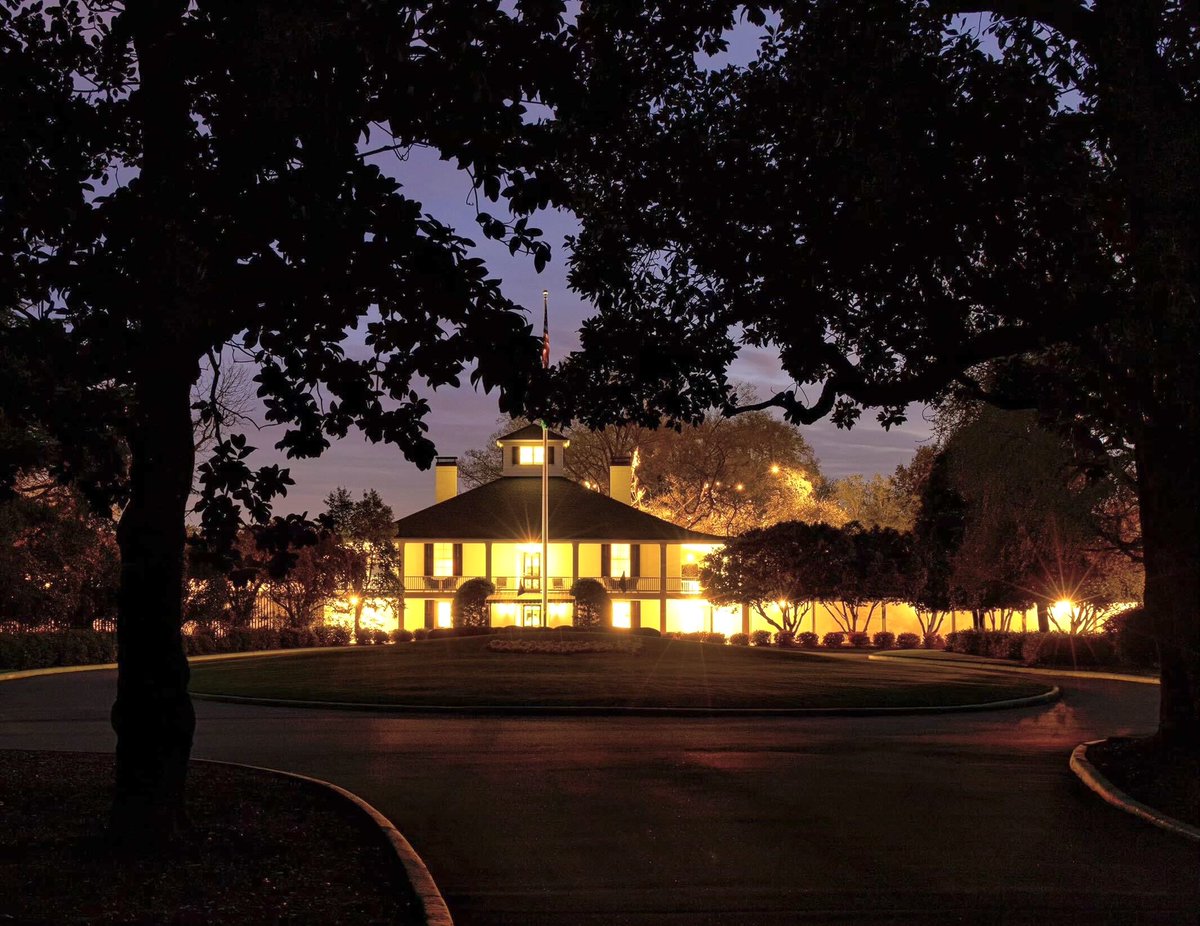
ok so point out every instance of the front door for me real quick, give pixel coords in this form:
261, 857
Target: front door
531, 615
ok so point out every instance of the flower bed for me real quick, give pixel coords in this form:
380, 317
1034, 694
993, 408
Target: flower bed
562, 647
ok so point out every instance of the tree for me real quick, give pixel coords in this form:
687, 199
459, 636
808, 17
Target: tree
470, 607
370, 564
58, 561
892, 199
185, 180
593, 610
937, 535
778, 570
313, 578
719, 475
864, 571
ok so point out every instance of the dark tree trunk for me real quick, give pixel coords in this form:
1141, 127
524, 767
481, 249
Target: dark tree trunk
1170, 511
153, 716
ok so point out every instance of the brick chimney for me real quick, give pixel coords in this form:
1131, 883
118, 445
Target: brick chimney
445, 478
620, 480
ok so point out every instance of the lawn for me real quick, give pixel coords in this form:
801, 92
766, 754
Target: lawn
665, 673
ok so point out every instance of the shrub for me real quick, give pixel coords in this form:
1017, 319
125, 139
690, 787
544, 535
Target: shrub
1131, 634
402, 636
336, 636
296, 638
968, 642
885, 639
1002, 644
43, 649
470, 606
908, 641
833, 639
694, 636
859, 639
1064, 649
933, 641
807, 640
785, 639
421, 633
713, 637
592, 605
648, 631
760, 638
364, 637
739, 639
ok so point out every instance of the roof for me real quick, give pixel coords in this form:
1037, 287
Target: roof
510, 508
530, 432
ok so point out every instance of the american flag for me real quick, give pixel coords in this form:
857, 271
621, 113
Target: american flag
545, 329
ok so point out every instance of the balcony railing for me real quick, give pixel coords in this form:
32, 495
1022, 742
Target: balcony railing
512, 586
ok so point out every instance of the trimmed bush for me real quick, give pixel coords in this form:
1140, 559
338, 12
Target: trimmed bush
908, 641
1064, 649
933, 641
43, 650
421, 633
885, 639
785, 639
470, 605
592, 605
834, 639
648, 631
402, 636
1132, 636
968, 642
760, 638
1003, 644
713, 637
296, 638
860, 640
807, 640
739, 639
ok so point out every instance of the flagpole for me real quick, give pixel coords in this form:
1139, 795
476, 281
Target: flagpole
545, 469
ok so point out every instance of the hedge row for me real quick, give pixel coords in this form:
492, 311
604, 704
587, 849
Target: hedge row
1037, 649
56, 648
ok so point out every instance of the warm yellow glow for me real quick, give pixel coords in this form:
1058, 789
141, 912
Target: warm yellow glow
691, 616
622, 614
621, 557
727, 620
353, 599
1062, 609
529, 455
740, 487
504, 610
774, 469
690, 558
443, 559
444, 616
559, 610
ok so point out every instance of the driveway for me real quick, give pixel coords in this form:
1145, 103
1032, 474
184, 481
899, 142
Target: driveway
969, 818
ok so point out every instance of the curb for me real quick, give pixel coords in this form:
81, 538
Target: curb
494, 710
208, 657
1030, 670
433, 905
1110, 793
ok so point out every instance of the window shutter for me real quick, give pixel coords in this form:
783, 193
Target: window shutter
515, 455
428, 559
606, 560
550, 458
428, 612
635, 560
458, 556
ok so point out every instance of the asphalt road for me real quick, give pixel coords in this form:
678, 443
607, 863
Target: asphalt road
969, 818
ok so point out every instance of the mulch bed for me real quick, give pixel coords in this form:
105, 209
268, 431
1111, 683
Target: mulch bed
1168, 782
260, 849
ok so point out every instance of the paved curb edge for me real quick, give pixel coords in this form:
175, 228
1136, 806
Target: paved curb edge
433, 905
1046, 697
14, 674
1029, 670
1090, 776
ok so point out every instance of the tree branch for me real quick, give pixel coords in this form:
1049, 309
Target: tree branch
1067, 17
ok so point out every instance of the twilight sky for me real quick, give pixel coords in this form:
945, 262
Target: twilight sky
463, 418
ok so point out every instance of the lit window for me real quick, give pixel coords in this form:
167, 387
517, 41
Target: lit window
622, 614
620, 560
530, 456
443, 559
444, 617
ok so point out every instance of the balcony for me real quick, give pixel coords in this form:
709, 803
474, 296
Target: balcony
625, 585
511, 586
559, 586
414, 584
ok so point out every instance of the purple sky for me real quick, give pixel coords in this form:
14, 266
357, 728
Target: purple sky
462, 418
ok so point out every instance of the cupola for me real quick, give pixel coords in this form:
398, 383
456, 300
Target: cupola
522, 452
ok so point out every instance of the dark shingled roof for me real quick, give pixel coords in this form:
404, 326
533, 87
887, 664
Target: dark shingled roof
511, 509
530, 432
